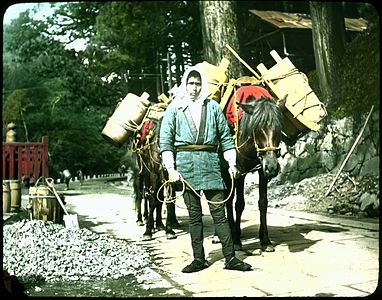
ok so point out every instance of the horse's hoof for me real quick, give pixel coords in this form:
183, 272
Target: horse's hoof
140, 223
147, 237
170, 236
267, 248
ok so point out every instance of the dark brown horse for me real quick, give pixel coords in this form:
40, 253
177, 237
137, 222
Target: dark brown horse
257, 147
148, 180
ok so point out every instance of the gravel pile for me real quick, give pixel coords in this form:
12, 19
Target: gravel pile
35, 251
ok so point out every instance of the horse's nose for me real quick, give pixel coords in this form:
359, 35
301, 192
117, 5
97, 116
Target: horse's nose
271, 169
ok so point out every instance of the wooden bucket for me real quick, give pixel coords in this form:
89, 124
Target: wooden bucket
126, 118
216, 76
6, 197
44, 204
303, 110
13, 187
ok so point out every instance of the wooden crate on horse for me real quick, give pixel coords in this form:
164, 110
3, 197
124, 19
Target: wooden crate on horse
303, 110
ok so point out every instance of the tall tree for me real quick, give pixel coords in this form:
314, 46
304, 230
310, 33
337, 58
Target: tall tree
219, 27
328, 32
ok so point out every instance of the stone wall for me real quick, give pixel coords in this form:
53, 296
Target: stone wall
324, 152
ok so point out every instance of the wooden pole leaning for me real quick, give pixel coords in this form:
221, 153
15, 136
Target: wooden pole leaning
243, 62
350, 152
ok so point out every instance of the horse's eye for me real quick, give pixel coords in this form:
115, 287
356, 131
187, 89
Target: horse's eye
278, 153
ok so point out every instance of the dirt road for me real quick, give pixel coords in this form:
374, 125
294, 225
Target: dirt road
315, 255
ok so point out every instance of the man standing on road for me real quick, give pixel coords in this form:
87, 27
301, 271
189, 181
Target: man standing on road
192, 133
66, 176
80, 176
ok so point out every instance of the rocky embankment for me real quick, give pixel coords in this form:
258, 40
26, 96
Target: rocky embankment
349, 196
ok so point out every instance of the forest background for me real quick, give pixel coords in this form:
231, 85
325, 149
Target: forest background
131, 47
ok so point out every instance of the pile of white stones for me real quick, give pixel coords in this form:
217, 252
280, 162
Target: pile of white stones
54, 253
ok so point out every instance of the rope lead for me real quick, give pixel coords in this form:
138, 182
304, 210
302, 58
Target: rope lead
184, 183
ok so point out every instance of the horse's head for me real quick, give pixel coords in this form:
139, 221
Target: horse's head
260, 127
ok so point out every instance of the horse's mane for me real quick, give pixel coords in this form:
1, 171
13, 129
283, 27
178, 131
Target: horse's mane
266, 115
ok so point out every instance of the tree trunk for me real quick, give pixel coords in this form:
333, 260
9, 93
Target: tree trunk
219, 27
24, 125
178, 62
328, 32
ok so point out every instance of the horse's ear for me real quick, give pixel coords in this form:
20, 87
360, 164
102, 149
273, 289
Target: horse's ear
281, 102
248, 108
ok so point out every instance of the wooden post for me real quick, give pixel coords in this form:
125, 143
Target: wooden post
350, 152
44, 158
242, 61
11, 162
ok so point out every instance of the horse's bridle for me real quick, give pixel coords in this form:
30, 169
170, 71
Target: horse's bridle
260, 150
267, 149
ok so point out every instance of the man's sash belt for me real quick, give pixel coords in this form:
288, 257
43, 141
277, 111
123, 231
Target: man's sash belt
210, 148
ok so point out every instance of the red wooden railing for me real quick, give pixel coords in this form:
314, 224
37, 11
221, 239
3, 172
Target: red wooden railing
25, 161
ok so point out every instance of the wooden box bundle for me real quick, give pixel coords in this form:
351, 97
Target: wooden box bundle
303, 110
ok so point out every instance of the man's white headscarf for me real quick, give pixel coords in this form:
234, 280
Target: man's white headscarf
182, 97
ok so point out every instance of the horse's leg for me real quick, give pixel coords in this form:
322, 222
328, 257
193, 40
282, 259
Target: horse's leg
170, 207
148, 235
158, 219
170, 220
239, 208
265, 243
145, 208
171, 216
138, 191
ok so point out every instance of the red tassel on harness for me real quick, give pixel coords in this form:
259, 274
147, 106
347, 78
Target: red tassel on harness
145, 129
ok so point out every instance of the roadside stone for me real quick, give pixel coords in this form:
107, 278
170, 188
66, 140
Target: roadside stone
368, 200
343, 197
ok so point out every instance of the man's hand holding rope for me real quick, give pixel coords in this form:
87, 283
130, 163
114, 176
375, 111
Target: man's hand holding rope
230, 157
173, 175
233, 171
